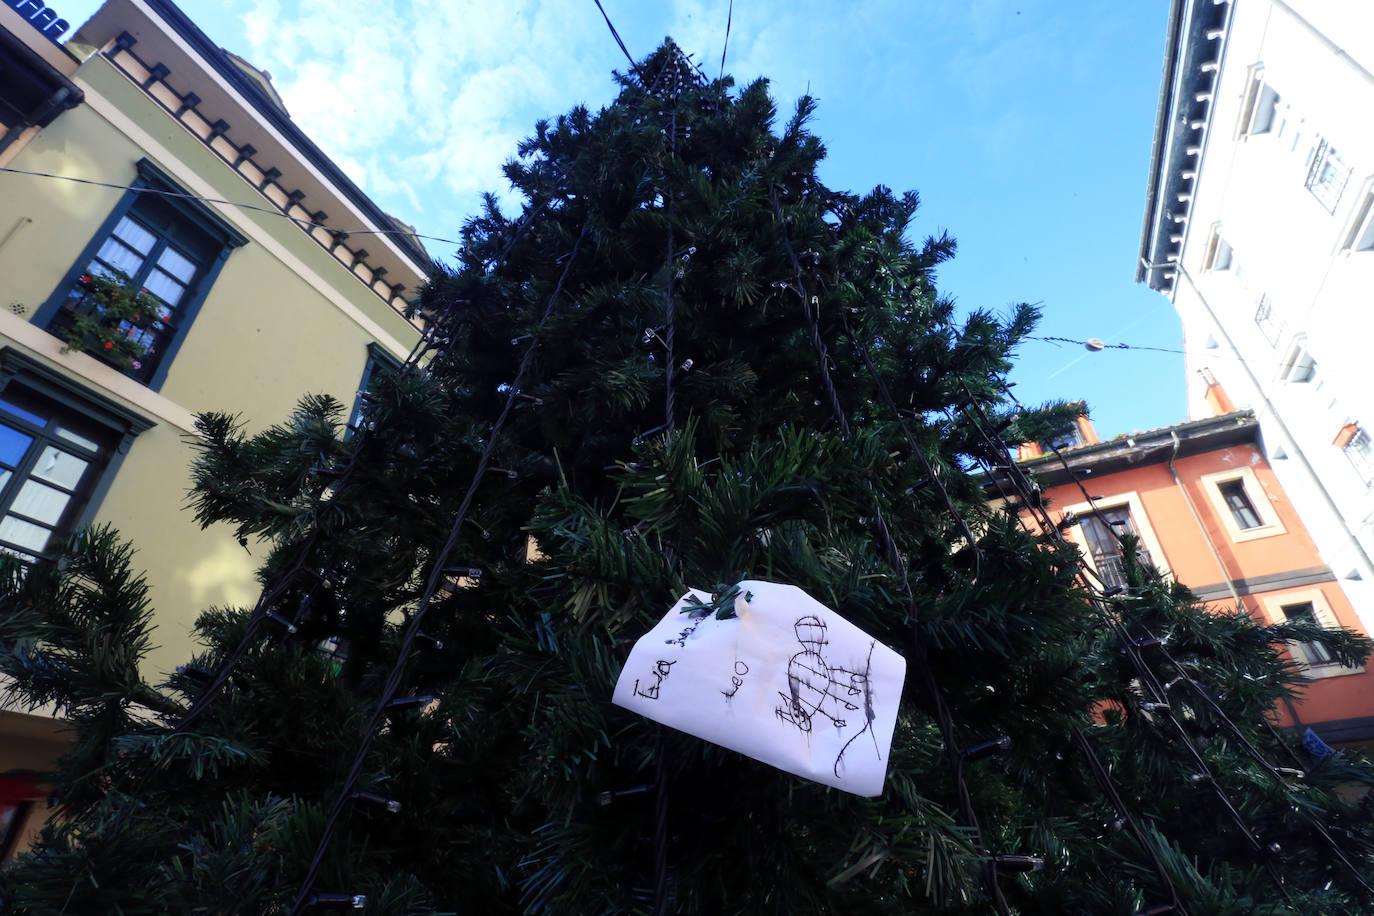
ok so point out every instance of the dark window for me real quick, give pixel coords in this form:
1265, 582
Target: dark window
1104, 543
377, 359
1067, 440
170, 246
1269, 323
1327, 176
1360, 451
58, 447
1238, 501
48, 465
1310, 653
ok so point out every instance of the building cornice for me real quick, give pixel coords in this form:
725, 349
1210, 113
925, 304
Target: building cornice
1142, 449
266, 108
1193, 57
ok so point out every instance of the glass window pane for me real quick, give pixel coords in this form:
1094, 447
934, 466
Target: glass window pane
4, 478
13, 444
24, 534
135, 236
26, 557
60, 468
164, 286
11, 407
79, 440
175, 264
40, 501
119, 256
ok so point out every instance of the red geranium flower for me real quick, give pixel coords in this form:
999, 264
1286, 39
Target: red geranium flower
109, 345
85, 278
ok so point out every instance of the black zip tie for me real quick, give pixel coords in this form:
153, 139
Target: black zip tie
288, 625
372, 798
987, 748
408, 702
437, 644
353, 901
610, 795
1018, 863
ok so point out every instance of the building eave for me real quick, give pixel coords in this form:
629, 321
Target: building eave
1146, 448
266, 108
1196, 38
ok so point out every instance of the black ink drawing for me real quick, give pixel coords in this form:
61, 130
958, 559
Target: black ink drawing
817, 688
736, 680
661, 669
687, 631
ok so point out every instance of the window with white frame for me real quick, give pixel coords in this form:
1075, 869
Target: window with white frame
1311, 607
1260, 107
1361, 234
1268, 320
1101, 526
1219, 252
1241, 504
1299, 366
1327, 176
1360, 451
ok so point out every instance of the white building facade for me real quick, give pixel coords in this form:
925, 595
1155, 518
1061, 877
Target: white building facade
1259, 227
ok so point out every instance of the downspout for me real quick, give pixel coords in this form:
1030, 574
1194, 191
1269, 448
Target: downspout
1273, 414
1216, 555
1221, 565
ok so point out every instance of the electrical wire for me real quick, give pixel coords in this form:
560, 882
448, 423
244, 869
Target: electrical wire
729, 18
273, 211
616, 35
1149, 679
436, 575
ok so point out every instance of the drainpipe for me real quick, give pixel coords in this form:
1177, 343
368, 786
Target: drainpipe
1225, 575
1273, 414
1216, 555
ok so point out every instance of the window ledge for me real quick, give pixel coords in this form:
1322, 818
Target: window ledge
1321, 672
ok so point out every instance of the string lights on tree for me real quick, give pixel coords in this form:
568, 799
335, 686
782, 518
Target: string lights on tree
686, 363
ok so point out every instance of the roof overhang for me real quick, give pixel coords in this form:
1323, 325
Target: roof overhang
33, 75
1125, 453
165, 35
1194, 48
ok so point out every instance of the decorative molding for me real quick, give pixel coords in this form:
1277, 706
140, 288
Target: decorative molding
151, 78
1292, 578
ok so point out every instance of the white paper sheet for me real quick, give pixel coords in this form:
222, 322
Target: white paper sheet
788, 682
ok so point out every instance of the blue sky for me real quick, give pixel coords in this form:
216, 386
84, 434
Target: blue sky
1024, 124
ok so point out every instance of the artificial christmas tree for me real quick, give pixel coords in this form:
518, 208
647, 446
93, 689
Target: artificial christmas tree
686, 364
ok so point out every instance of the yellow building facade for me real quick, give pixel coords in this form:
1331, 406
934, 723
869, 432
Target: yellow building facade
139, 146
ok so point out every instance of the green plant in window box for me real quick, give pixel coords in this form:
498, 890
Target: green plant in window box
111, 324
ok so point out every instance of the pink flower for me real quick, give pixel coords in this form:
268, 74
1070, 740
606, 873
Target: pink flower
136, 364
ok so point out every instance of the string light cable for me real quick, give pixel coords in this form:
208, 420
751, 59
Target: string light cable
432, 339
1017, 478
435, 577
954, 753
1160, 692
306, 224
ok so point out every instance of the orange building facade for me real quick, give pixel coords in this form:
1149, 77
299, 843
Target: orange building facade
1210, 513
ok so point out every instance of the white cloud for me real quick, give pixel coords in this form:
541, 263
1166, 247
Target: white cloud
423, 101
